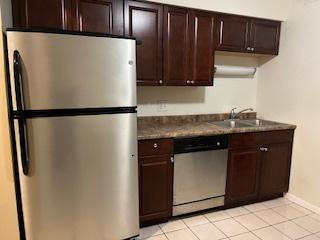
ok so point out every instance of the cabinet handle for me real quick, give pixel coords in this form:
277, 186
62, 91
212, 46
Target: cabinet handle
252, 49
249, 48
160, 81
192, 82
188, 81
172, 159
155, 145
264, 149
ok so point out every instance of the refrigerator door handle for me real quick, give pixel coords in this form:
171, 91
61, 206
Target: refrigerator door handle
18, 80
24, 145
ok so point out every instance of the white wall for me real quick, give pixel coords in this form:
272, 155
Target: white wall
8, 216
221, 98
273, 9
288, 91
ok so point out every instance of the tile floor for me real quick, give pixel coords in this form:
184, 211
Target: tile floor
277, 219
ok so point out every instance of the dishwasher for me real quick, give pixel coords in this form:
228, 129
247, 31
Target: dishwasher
200, 172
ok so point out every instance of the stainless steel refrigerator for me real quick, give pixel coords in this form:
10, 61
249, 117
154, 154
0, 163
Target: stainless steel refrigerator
75, 131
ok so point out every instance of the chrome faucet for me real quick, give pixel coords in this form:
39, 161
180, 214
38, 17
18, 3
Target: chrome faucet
234, 115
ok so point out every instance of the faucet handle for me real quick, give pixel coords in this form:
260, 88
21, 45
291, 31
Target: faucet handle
232, 113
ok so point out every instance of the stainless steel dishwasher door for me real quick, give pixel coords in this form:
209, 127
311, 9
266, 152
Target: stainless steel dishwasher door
199, 181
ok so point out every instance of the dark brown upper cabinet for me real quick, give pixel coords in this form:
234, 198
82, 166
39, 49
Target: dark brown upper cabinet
176, 46
232, 33
144, 21
201, 48
52, 14
188, 47
247, 35
264, 36
99, 16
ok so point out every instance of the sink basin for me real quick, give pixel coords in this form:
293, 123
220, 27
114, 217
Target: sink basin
244, 123
259, 122
231, 124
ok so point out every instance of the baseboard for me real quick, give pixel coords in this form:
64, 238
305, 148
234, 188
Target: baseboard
302, 203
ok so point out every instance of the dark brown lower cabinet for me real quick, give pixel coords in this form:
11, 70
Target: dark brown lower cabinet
275, 169
155, 181
243, 175
258, 166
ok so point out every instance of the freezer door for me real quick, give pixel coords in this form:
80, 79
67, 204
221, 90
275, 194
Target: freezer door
83, 178
61, 71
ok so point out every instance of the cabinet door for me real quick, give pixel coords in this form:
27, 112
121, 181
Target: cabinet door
53, 14
155, 180
264, 36
202, 48
176, 45
275, 169
232, 33
243, 175
100, 16
144, 22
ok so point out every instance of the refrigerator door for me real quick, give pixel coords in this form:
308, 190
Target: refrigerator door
83, 178
63, 71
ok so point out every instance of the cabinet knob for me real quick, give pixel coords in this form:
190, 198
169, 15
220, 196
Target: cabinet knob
249, 48
172, 159
192, 82
188, 81
160, 81
252, 49
155, 145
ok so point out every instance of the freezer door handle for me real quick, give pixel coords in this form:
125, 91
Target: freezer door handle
18, 80
24, 145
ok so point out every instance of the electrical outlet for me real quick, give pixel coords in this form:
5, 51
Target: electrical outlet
162, 106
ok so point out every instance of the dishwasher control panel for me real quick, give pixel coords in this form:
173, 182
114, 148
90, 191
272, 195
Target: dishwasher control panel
199, 144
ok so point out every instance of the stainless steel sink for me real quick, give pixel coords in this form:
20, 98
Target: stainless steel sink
244, 123
259, 122
231, 124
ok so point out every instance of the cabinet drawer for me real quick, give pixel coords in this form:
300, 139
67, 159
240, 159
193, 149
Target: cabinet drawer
260, 138
155, 147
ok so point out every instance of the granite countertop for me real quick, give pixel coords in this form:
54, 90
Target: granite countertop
196, 125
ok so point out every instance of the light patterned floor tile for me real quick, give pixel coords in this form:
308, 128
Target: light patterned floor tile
150, 231
230, 227
301, 209
159, 237
172, 226
196, 220
235, 212
251, 222
184, 234
315, 216
270, 233
217, 216
271, 217
292, 230
311, 237
245, 236
318, 234
289, 212
207, 232
308, 223
276, 202
256, 207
